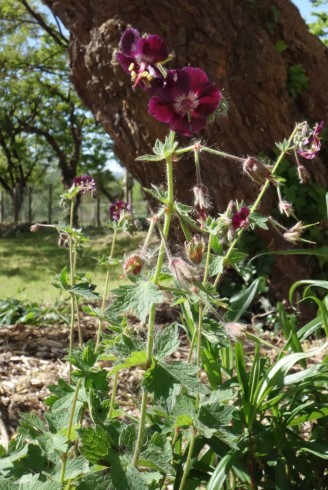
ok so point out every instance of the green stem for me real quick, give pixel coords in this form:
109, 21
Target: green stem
151, 320
222, 154
112, 398
100, 322
206, 271
188, 461
69, 430
71, 268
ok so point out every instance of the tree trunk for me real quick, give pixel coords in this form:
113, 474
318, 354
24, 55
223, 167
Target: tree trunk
17, 197
248, 48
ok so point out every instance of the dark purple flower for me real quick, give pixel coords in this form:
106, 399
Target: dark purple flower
85, 183
240, 219
310, 147
185, 101
140, 56
117, 209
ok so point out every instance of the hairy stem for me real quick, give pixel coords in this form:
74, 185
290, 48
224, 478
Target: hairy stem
151, 320
69, 430
188, 461
256, 204
103, 303
71, 268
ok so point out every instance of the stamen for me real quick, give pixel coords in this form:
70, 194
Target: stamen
131, 67
133, 75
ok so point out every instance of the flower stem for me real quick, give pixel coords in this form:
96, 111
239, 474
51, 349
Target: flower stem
206, 271
100, 323
69, 431
256, 204
71, 267
222, 154
188, 461
151, 319
112, 398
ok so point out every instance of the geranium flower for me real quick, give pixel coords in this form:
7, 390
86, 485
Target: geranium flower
310, 147
141, 57
185, 101
117, 209
85, 183
240, 219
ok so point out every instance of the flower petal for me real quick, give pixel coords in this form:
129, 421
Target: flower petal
129, 40
160, 109
152, 49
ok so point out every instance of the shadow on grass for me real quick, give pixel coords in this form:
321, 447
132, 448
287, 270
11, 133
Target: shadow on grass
32, 256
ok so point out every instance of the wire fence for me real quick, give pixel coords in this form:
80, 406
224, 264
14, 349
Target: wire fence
42, 205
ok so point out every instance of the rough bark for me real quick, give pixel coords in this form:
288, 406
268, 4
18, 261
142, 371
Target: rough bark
235, 42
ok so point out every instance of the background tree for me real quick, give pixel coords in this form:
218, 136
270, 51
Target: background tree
271, 69
40, 110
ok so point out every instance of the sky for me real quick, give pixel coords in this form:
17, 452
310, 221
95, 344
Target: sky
305, 8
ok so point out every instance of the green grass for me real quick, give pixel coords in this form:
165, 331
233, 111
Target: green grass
29, 262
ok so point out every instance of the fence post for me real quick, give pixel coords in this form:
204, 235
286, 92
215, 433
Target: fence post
30, 205
50, 204
1, 207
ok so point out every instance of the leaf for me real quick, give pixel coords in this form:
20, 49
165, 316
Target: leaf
275, 375
97, 481
216, 265
166, 341
75, 467
60, 414
220, 473
137, 299
241, 301
96, 446
158, 454
138, 358
157, 193
161, 378
32, 482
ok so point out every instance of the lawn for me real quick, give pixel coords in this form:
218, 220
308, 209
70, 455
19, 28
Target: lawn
31, 260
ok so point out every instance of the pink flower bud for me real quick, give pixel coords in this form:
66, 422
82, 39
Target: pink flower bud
257, 171
133, 265
285, 207
35, 227
201, 201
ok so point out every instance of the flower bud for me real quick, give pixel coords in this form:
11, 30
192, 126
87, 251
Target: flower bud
201, 201
183, 273
235, 330
195, 249
35, 227
285, 207
257, 171
133, 265
303, 174
63, 240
